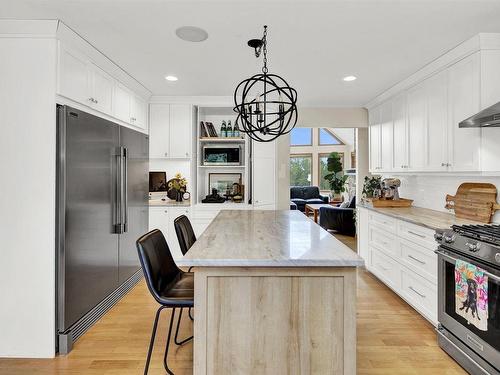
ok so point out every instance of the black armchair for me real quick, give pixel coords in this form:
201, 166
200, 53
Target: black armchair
339, 219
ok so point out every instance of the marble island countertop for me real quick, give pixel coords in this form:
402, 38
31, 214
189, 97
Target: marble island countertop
257, 238
425, 217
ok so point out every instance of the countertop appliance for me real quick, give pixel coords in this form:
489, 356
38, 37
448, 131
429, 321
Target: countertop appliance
390, 188
487, 118
102, 208
476, 350
222, 154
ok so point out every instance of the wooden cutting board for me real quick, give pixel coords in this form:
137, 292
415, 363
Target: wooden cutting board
474, 201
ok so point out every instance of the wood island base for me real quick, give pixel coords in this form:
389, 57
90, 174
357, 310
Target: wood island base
275, 320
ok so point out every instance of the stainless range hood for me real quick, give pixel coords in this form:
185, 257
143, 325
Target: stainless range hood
487, 118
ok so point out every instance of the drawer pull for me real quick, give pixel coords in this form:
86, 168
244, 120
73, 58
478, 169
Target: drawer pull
416, 259
416, 234
414, 291
381, 266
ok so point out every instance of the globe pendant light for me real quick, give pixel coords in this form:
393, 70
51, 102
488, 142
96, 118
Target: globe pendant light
266, 105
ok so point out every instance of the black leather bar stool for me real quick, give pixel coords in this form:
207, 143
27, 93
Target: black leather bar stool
185, 233
169, 286
186, 237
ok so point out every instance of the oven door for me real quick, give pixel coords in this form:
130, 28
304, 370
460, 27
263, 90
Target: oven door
484, 343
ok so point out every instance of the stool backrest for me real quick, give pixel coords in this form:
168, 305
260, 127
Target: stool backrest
157, 263
185, 233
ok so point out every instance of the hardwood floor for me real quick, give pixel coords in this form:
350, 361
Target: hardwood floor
392, 339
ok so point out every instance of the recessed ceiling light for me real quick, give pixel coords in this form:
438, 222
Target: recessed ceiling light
191, 34
349, 78
171, 78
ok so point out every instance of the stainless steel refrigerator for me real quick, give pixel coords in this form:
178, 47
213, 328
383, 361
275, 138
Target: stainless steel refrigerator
102, 196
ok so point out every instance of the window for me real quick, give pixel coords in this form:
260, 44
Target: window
300, 170
301, 137
327, 138
323, 170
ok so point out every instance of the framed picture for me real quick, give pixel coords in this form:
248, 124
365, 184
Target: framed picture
157, 181
222, 181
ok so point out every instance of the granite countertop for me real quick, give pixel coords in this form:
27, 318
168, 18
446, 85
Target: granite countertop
425, 217
254, 238
169, 203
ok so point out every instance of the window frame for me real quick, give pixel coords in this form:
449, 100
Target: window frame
341, 143
302, 145
303, 154
323, 154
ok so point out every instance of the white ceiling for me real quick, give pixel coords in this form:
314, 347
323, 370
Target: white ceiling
312, 44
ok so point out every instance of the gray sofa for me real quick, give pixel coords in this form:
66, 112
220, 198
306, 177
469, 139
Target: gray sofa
302, 195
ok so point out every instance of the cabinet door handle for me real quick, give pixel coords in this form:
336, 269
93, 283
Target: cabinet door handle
416, 234
416, 292
443, 164
416, 259
96, 101
166, 153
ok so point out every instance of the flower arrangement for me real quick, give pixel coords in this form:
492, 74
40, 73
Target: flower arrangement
178, 183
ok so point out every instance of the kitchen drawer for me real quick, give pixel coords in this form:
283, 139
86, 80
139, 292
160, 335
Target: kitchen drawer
385, 222
417, 234
383, 240
420, 293
385, 268
420, 259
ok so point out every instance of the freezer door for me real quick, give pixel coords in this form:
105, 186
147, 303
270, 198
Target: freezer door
135, 199
88, 246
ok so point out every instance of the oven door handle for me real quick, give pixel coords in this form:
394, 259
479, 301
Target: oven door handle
446, 255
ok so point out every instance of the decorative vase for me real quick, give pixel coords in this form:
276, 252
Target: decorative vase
179, 196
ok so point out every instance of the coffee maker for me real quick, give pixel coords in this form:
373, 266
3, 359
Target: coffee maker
390, 188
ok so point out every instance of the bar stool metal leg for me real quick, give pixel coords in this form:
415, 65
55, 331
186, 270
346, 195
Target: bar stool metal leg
152, 342
176, 340
189, 312
168, 343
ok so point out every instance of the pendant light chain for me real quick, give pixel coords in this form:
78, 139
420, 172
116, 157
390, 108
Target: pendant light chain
264, 41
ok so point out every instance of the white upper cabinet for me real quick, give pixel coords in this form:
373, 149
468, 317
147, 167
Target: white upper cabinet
374, 144
386, 137
400, 133
74, 76
421, 133
464, 94
170, 131
102, 85
122, 101
417, 123
138, 112
437, 122
181, 130
159, 127
85, 82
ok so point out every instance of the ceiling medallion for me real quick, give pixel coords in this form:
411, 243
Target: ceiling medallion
266, 105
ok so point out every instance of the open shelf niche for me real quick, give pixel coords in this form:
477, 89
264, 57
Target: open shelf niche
216, 115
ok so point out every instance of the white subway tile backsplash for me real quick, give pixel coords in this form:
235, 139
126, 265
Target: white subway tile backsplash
429, 191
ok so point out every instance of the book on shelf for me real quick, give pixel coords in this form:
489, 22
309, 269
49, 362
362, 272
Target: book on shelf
203, 130
211, 129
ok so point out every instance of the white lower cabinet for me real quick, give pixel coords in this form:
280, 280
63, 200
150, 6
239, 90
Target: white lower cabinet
162, 218
402, 256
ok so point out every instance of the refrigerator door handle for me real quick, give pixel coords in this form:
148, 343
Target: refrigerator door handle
125, 190
118, 211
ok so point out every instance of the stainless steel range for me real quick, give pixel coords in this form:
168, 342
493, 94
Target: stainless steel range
476, 349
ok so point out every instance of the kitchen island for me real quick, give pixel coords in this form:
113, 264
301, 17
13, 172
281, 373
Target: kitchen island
274, 294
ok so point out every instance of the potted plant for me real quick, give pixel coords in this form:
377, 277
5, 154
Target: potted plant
371, 186
336, 178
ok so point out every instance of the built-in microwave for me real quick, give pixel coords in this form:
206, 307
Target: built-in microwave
222, 154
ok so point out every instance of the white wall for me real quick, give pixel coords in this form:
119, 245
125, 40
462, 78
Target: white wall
430, 191
171, 167
27, 196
